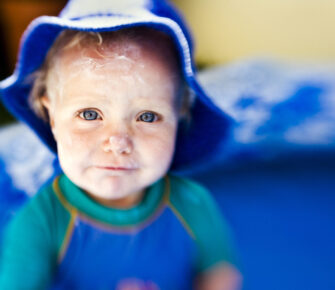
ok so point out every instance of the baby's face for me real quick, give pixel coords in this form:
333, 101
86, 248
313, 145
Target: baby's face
115, 121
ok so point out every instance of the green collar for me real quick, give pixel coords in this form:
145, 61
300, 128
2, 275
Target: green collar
76, 200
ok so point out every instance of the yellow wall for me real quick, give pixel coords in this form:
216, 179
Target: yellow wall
226, 30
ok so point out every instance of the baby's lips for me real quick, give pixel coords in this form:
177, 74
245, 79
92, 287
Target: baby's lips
118, 168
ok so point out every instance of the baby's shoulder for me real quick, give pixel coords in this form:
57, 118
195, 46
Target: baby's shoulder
195, 204
186, 193
44, 202
202, 217
43, 210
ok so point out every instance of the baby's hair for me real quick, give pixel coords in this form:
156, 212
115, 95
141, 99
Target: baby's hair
46, 77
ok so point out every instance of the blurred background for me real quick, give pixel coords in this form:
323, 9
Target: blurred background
15, 15
268, 64
229, 30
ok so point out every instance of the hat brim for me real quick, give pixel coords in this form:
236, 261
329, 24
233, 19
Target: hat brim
197, 143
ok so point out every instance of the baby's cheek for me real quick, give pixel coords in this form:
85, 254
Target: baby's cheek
159, 145
74, 152
73, 144
67, 140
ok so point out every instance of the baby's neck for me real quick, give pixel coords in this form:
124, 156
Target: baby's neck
120, 203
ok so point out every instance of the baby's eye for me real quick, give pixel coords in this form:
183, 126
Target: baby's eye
89, 115
148, 117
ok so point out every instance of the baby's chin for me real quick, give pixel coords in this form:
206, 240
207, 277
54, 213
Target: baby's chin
111, 185
115, 192
105, 187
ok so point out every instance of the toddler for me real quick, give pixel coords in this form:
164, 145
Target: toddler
111, 95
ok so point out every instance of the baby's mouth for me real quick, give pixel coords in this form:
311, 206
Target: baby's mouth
117, 168
116, 171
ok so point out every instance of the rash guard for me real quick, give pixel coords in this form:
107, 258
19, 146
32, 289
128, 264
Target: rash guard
63, 239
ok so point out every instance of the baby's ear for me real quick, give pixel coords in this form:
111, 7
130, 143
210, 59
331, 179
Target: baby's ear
47, 106
45, 102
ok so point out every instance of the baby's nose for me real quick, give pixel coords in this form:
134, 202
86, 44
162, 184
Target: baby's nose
118, 144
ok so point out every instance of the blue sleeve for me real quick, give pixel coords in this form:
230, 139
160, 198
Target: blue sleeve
211, 232
28, 258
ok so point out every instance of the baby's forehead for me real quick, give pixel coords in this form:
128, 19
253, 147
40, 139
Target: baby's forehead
120, 49
114, 61
120, 59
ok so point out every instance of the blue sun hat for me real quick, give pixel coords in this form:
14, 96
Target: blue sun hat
197, 143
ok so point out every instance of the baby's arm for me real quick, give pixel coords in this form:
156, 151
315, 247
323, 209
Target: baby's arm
221, 277
216, 261
27, 260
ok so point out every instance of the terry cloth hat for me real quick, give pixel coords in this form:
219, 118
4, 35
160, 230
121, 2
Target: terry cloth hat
196, 144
